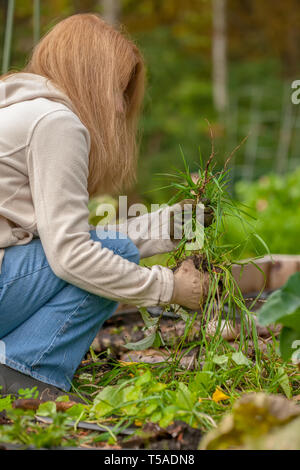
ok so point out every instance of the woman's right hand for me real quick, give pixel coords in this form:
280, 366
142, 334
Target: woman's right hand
190, 286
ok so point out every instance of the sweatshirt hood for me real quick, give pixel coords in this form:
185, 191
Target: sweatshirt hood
23, 86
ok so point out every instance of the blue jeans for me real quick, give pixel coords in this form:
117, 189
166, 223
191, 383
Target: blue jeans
46, 324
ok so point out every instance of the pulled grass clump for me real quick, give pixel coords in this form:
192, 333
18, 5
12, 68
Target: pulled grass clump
222, 301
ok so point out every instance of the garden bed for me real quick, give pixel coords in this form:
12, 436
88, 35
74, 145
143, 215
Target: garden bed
197, 380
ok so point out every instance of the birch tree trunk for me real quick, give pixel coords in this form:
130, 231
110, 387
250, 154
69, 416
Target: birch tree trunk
111, 11
219, 55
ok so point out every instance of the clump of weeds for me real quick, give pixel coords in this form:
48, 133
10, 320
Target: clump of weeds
222, 301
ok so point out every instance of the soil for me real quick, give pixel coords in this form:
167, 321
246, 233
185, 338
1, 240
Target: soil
199, 260
127, 327
3, 418
177, 436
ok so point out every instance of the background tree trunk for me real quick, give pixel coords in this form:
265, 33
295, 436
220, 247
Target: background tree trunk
111, 11
219, 55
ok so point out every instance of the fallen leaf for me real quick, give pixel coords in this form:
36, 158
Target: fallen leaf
254, 417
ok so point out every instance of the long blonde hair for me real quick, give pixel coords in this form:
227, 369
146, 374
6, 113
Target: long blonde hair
103, 74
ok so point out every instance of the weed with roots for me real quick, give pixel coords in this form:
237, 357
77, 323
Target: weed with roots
222, 301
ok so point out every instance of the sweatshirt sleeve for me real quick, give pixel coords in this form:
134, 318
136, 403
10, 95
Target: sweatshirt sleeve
58, 161
157, 224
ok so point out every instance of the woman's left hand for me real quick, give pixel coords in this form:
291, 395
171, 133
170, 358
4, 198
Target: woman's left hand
208, 213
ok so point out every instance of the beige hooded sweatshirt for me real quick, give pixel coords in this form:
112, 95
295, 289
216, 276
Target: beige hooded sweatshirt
44, 156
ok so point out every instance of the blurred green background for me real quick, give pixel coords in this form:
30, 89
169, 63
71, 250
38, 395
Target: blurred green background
231, 62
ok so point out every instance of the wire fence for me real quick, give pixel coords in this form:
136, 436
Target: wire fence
273, 143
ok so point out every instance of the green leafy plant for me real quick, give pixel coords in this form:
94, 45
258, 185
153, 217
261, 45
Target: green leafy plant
283, 307
128, 396
274, 201
144, 397
24, 429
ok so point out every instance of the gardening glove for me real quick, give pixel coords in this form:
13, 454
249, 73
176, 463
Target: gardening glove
191, 286
208, 214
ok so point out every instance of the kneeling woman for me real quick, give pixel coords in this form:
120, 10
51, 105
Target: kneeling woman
67, 131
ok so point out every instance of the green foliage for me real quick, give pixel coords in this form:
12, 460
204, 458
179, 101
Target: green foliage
104, 217
152, 338
275, 202
143, 344
5, 403
144, 397
289, 344
131, 394
283, 307
27, 393
25, 430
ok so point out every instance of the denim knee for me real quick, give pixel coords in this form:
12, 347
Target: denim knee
128, 250
120, 244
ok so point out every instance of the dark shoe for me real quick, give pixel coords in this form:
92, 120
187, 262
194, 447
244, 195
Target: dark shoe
11, 381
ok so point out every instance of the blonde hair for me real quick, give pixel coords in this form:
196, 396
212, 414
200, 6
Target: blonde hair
103, 74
